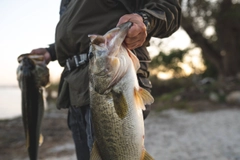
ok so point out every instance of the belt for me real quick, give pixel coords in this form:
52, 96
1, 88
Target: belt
76, 61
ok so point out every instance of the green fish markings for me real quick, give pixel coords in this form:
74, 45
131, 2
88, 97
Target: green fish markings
116, 99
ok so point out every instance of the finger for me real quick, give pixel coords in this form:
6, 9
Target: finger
137, 30
123, 19
140, 37
131, 47
134, 45
33, 51
38, 51
130, 40
133, 31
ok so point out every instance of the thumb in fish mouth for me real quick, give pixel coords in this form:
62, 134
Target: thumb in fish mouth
114, 37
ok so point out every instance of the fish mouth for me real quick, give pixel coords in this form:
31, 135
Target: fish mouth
125, 26
38, 59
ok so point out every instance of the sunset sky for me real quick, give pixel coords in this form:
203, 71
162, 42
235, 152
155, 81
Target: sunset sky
26, 25
30, 24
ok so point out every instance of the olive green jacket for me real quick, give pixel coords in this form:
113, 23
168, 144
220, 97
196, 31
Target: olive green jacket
78, 18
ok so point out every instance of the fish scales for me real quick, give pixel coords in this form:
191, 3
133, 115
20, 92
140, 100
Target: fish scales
113, 131
115, 99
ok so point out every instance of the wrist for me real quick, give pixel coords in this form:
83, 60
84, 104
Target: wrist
146, 19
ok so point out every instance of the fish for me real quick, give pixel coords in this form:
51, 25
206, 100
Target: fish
33, 77
116, 99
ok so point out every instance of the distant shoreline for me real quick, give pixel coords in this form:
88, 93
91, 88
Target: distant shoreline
11, 118
8, 86
10, 102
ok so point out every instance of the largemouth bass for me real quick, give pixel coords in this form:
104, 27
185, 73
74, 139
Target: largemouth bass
116, 99
32, 76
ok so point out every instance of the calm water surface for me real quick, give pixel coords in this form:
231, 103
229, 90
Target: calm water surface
10, 102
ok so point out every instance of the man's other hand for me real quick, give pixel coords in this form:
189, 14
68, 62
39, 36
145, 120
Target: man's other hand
44, 52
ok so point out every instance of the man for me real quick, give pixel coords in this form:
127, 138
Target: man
78, 18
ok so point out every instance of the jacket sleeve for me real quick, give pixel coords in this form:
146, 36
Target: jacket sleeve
51, 48
164, 15
63, 6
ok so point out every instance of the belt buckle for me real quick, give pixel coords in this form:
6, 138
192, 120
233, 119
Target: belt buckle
76, 60
83, 56
83, 59
68, 65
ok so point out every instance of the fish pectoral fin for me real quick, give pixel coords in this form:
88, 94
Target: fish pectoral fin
146, 96
138, 99
120, 104
41, 139
143, 97
94, 155
146, 155
27, 140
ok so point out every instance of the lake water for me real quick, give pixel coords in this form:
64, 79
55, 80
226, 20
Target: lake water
10, 102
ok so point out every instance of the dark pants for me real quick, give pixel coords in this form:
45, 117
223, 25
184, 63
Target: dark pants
79, 122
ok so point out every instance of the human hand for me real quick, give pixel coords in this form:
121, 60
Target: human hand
44, 52
137, 33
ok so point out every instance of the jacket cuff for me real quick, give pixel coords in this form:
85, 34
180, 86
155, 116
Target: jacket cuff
146, 19
52, 52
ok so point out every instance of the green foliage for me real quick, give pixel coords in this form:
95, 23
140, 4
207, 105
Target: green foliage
170, 60
203, 11
214, 27
177, 93
174, 85
210, 71
193, 93
234, 13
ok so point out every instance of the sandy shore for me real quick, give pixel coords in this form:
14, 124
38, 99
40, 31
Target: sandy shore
170, 135
177, 135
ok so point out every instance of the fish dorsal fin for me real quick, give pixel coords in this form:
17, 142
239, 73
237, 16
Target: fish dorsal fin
146, 155
92, 37
120, 104
142, 97
134, 59
97, 39
95, 153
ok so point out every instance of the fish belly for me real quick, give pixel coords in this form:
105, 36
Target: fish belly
116, 138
